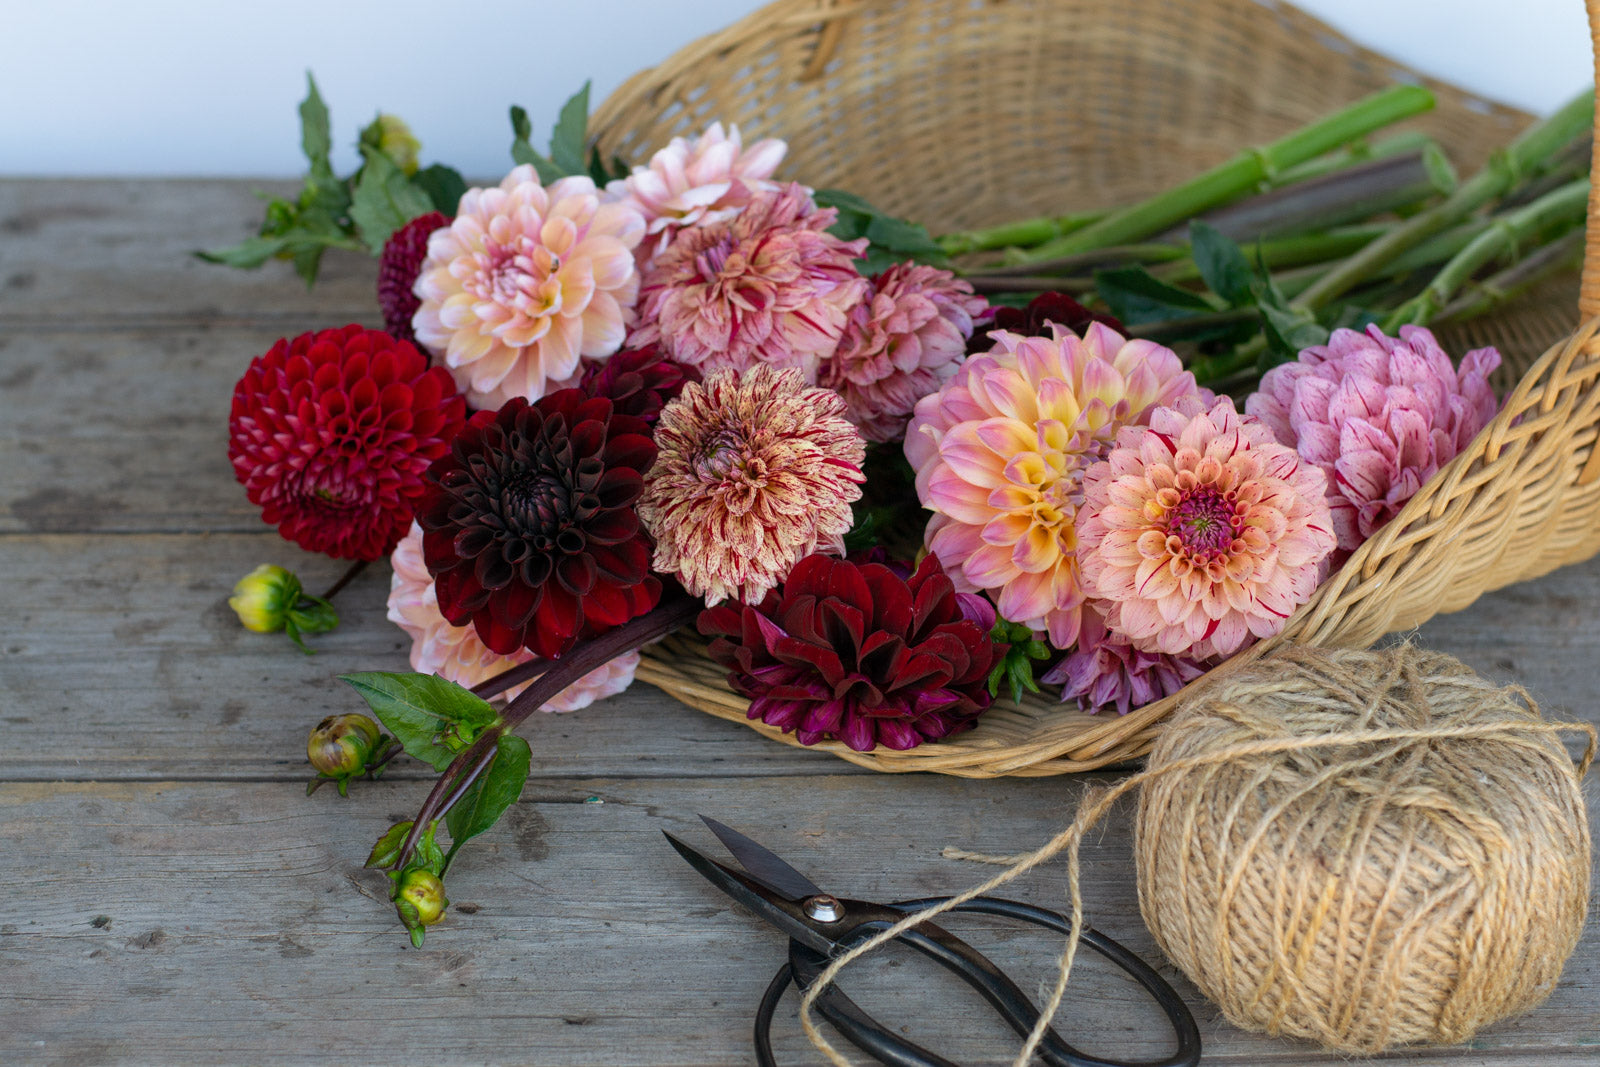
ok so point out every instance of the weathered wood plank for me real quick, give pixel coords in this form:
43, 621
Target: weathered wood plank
238, 925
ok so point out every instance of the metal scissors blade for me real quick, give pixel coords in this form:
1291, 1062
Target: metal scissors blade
776, 908
763, 865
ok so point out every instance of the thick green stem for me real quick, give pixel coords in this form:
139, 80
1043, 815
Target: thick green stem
1502, 173
1396, 144
1564, 253
1243, 173
1023, 233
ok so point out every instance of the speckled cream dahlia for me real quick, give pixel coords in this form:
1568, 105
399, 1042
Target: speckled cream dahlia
457, 654
1000, 451
753, 474
1201, 532
900, 344
770, 285
524, 281
693, 182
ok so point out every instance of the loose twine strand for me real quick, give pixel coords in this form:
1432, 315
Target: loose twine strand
1093, 807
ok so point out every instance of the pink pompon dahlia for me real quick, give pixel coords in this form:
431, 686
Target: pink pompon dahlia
900, 344
1202, 532
524, 281
1000, 451
753, 474
1379, 416
457, 654
1104, 670
770, 285
697, 182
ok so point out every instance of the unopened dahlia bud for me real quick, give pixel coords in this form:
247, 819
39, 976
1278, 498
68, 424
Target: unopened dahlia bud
264, 597
396, 141
343, 746
420, 901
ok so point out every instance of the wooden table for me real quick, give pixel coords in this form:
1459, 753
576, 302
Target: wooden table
172, 896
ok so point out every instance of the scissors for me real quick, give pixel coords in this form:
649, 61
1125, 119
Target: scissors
821, 926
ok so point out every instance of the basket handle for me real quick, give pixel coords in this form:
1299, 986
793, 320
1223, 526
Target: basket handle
1589, 292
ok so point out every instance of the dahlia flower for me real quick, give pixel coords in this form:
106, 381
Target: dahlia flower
858, 653
528, 526
770, 285
1379, 416
900, 344
1202, 532
637, 381
330, 433
754, 474
526, 280
999, 454
1104, 670
457, 654
698, 182
402, 258
1035, 319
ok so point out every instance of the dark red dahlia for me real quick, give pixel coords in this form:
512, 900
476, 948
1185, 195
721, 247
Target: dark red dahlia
331, 432
1032, 321
855, 652
637, 381
529, 528
402, 257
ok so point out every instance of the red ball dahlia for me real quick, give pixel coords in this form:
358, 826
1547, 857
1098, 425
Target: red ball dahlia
529, 528
637, 381
402, 258
858, 653
331, 432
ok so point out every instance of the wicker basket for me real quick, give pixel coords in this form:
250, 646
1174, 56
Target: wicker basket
965, 113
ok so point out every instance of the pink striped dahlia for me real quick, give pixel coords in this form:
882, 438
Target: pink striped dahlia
1000, 452
457, 654
770, 285
1201, 532
1104, 670
1379, 416
523, 282
753, 473
900, 344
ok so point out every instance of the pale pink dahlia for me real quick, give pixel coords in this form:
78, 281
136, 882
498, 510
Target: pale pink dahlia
1104, 670
770, 285
457, 654
753, 473
1379, 415
1202, 532
523, 282
900, 344
1000, 450
697, 182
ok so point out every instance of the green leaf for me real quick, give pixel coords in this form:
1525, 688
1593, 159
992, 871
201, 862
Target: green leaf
850, 225
428, 855
898, 235
387, 850
496, 789
416, 707
1288, 331
843, 201
522, 150
247, 254
316, 140
384, 200
1136, 296
570, 133
1222, 264
443, 186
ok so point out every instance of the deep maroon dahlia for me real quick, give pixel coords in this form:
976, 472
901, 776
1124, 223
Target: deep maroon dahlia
331, 432
528, 526
1033, 320
855, 652
402, 257
637, 381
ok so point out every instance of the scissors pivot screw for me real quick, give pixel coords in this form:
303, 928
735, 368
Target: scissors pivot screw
823, 908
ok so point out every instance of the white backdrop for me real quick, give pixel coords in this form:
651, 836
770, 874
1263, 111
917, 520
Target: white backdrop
209, 87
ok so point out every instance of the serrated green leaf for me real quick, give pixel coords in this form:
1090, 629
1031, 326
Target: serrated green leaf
444, 186
901, 236
416, 707
843, 201
1136, 296
384, 200
850, 225
522, 150
521, 127
1288, 332
570, 133
316, 139
496, 789
1222, 264
247, 254
428, 855
387, 849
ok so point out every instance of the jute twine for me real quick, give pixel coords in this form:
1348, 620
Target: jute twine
1359, 848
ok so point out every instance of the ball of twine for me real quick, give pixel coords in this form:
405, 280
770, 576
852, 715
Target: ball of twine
1393, 850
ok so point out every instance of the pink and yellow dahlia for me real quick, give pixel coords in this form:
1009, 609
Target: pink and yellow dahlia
457, 654
770, 286
523, 282
900, 344
697, 182
753, 473
1379, 416
1201, 532
1000, 453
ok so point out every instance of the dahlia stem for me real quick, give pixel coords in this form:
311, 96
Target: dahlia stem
1499, 176
1110, 256
1294, 251
1023, 233
510, 678
1356, 152
1569, 203
345, 579
1566, 165
1482, 297
1241, 174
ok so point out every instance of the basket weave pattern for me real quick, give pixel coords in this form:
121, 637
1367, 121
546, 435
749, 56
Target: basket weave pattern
965, 113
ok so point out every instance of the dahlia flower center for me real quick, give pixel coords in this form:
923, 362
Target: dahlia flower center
542, 505
727, 456
1204, 521
519, 275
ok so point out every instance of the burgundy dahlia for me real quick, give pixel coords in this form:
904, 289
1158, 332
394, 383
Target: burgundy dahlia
637, 381
331, 432
402, 257
528, 526
857, 653
1034, 320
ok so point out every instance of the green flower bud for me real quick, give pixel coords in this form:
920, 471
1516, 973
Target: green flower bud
264, 598
396, 141
341, 744
422, 893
